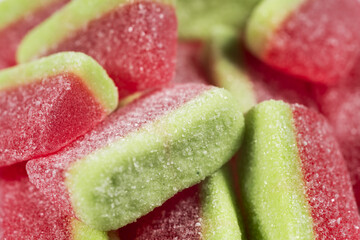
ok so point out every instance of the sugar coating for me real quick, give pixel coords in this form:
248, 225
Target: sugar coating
41, 117
125, 181
204, 211
272, 188
26, 214
178, 218
269, 83
11, 35
303, 43
135, 43
189, 68
328, 187
340, 105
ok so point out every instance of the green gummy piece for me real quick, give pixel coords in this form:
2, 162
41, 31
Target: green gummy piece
74, 16
272, 188
226, 71
83, 66
80, 231
267, 17
220, 215
198, 18
126, 180
14, 10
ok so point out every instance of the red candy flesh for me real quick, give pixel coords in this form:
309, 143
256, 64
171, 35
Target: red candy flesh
25, 213
48, 173
178, 218
188, 66
11, 36
327, 182
270, 83
136, 44
319, 41
41, 117
341, 105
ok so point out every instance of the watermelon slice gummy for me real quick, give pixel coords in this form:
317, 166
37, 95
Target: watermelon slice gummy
205, 211
142, 155
135, 41
294, 181
25, 213
46, 104
17, 17
317, 40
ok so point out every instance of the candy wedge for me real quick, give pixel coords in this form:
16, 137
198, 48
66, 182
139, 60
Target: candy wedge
17, 17
294, 181
341, 106
25, 213
46, 104
202, 212
142, 155
317, 40
135, 41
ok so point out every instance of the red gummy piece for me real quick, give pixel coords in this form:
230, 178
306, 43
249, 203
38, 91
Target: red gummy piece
327, 182
136, 44
11, 36
320, 41
178, 218
25, 213
40, 118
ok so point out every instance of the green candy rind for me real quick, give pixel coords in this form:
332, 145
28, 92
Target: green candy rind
70, 19
266, 18
13, 10
82, 232
220, 216
198, 18
83, 66
271, 181
225, 73
120, 183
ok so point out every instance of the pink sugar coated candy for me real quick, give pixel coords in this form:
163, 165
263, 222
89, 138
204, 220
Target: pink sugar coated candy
168, 131
46, 104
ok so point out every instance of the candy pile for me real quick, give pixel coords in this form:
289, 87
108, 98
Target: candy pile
123, 119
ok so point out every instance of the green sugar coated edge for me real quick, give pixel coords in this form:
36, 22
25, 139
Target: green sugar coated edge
67, 21
83, 66
265, 19
14, 10
197, 19
82, 232
271, 181
221, 218
124, 181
